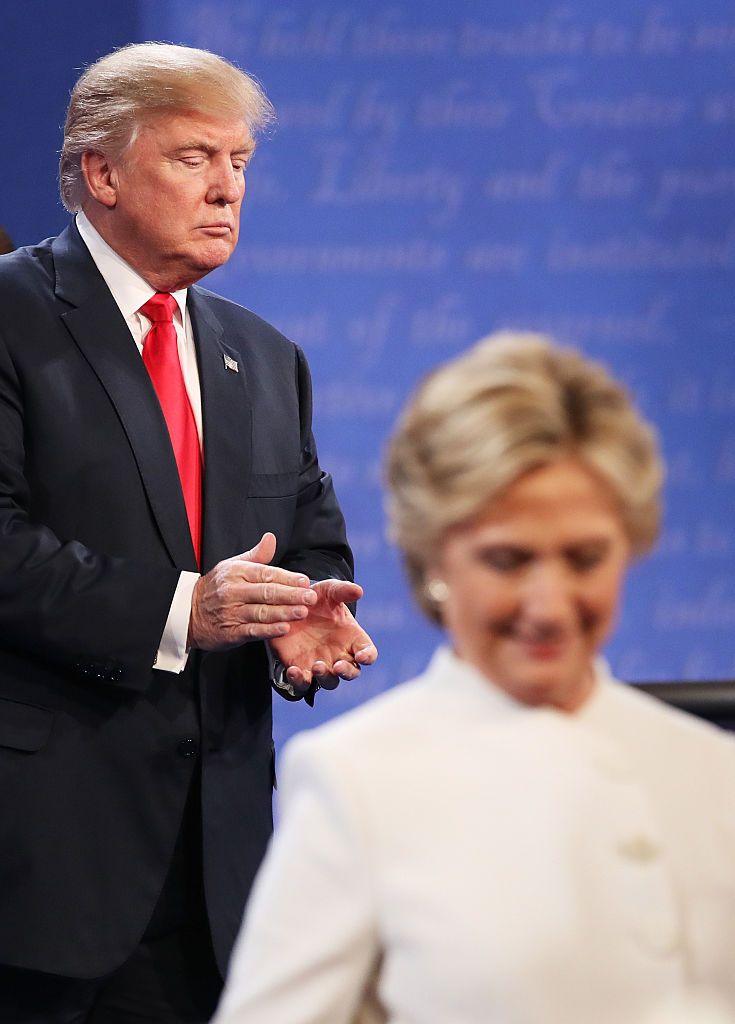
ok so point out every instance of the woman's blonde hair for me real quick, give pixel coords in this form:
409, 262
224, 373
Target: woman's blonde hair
111, 98
512, 403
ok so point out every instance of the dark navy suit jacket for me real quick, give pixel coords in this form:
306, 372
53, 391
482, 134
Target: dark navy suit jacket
93, 536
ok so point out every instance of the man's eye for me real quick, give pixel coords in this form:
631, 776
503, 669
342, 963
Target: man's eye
192, 161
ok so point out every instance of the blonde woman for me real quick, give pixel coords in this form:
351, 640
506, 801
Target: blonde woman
514, 836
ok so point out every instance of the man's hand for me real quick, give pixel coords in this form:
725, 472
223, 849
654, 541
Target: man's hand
244, 598
328, 643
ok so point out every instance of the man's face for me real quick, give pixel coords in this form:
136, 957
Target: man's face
179, 188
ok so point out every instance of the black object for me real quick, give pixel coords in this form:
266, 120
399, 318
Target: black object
712, 700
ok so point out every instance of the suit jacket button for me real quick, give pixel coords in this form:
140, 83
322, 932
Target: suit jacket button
187, 747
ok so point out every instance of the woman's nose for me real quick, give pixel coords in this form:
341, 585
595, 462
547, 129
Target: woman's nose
549, 594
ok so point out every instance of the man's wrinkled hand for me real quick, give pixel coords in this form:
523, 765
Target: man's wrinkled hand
244, 598
328, 644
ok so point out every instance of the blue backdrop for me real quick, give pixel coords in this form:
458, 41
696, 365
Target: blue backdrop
443, 170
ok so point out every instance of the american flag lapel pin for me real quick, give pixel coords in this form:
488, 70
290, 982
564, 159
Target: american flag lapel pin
231, 364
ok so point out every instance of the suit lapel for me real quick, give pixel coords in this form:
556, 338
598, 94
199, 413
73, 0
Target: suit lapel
227, 428
99, 330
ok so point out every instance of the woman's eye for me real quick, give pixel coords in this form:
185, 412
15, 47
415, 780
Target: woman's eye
585, 559
504, 559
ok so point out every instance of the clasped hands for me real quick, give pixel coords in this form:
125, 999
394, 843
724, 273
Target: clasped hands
309, 627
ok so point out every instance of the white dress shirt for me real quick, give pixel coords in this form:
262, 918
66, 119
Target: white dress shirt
130, 292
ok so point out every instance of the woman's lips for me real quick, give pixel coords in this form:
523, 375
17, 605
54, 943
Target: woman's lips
544, 650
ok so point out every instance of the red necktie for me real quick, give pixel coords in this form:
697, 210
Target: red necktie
161, 358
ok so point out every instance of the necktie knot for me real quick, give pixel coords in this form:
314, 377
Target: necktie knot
159, 308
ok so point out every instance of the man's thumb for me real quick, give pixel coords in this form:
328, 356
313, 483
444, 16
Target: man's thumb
263, 551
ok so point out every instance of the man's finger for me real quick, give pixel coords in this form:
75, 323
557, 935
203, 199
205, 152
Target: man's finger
259, 631
328, 682
366, 654
256, 572
346, 669
273, 593
340, 590
298, 677
262, 613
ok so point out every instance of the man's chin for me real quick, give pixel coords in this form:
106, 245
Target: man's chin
207, 258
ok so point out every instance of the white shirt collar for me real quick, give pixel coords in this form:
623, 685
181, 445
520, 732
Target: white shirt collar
128, 288
445, 664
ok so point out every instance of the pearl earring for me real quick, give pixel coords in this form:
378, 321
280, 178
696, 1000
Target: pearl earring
437, 590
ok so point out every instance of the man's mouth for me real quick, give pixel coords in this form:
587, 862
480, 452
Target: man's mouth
217, 229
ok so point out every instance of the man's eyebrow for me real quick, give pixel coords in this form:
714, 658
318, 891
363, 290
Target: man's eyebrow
205, 147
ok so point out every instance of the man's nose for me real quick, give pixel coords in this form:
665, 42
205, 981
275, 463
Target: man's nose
225, 185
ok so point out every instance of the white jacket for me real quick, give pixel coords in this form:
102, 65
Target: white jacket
449, 856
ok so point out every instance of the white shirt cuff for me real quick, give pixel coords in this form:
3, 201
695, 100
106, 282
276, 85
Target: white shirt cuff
172, 652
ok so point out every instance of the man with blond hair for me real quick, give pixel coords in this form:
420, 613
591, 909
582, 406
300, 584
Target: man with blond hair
170, 546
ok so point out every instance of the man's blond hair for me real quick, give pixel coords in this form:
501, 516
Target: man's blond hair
113, 96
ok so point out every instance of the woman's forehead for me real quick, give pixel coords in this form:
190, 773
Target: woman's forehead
565, 499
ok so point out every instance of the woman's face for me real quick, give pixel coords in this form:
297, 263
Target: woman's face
533, 584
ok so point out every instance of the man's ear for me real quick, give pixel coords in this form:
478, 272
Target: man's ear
100, 177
